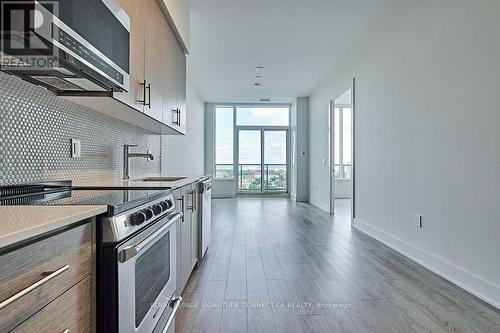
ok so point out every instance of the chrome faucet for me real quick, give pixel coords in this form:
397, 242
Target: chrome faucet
127, 155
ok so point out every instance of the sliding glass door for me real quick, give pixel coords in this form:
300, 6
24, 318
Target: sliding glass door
275, 160
262, 165
249, 160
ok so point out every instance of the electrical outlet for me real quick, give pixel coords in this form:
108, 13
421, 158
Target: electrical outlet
76, 148
417, 219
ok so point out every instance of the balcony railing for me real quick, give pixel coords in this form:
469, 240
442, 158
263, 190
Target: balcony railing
251, 178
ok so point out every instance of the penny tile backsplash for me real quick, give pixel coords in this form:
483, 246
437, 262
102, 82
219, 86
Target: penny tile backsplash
36, 129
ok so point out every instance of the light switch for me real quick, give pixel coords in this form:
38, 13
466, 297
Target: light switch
76, 148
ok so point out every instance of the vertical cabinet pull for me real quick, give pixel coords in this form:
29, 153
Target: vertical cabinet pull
193, 201
149, 96
143, 85
177, 120
181, 199
146, 101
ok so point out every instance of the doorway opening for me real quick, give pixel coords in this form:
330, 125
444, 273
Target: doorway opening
341, 133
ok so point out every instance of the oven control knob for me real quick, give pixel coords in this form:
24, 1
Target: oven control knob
157, 209
138, 218
163, 205
167, 204
148, 212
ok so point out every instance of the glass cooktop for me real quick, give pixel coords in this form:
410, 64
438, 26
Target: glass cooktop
117, 200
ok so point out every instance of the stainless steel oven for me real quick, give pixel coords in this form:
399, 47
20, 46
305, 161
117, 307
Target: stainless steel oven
146, 277
138, 274
136, 251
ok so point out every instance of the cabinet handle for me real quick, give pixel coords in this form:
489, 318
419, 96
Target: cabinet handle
181, 199
193, 202
145, 86
177, 120
49, 276
149, 95
193, 197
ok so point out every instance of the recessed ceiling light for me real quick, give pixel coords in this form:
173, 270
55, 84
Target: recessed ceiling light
265, 99
259, 68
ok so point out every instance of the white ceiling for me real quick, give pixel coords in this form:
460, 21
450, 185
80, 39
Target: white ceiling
298, 42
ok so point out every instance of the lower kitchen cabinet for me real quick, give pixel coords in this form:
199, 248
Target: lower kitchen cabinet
46, 286
187, 233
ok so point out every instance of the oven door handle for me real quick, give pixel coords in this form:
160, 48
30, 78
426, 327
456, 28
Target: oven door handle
174, 304
131, 251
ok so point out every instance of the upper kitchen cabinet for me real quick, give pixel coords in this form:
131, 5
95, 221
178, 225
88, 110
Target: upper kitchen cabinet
153, 58
181, 90
135, 96
159, 80
156, 97
177, 13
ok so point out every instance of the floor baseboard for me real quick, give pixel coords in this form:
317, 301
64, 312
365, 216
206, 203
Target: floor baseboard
485, 290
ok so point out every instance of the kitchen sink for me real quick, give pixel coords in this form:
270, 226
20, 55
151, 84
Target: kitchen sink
162, 179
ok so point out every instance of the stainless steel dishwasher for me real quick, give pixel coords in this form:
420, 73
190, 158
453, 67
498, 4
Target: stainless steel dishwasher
205, 226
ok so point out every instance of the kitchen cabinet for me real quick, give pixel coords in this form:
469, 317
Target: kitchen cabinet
133, 98
187, 233
48, 283
156, 54
157, 83
181, 89
194, 204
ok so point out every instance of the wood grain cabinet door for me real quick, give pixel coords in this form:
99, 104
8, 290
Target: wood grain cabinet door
34, 275
136, 95
70, 312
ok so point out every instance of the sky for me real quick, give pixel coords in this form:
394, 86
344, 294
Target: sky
249, 150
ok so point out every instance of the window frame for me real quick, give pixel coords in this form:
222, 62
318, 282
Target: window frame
235, 106
215, 164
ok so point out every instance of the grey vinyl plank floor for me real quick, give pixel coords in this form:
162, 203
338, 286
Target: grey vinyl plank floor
279, 266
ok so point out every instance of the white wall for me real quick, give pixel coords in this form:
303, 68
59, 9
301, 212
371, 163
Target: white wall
427, 137
184, 155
